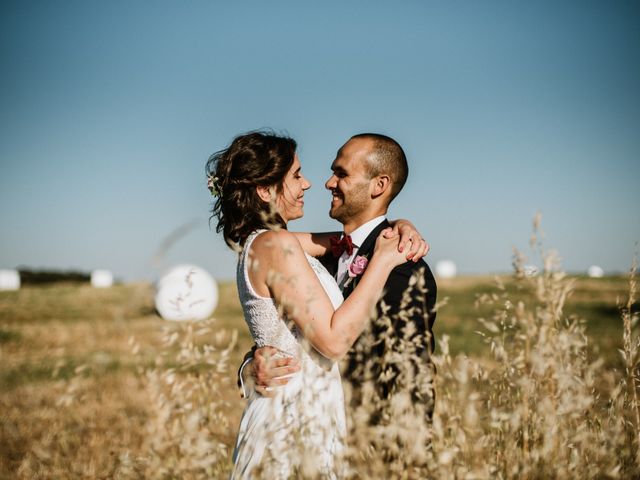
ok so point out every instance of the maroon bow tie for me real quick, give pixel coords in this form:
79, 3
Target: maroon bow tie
341, 245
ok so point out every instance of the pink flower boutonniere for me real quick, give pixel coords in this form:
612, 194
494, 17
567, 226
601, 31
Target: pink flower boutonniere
356, 268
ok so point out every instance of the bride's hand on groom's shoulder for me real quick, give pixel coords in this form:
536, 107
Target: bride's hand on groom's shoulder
386, 249
411, 241
270, 371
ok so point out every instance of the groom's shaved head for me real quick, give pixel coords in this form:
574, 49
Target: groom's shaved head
386, 157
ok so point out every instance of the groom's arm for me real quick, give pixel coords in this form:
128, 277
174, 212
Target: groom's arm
242, 380
417, 304
261, 370
315, 244
319, 244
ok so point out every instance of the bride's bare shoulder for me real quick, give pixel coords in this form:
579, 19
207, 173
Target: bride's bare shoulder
276, 243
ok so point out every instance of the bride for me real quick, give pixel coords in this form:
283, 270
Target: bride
292, 303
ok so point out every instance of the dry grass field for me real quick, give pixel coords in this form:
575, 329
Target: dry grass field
84, 375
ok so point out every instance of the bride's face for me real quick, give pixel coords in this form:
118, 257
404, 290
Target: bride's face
290, 201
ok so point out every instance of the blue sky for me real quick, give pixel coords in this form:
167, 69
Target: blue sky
109, 111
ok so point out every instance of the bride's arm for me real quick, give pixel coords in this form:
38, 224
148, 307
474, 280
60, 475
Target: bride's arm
315, 244
297, 290
318, 244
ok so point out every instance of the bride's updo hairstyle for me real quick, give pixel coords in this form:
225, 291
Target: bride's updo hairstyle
253, 159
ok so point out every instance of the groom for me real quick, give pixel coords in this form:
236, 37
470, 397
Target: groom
368, 160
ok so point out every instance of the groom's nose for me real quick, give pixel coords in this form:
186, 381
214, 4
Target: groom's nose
331, 183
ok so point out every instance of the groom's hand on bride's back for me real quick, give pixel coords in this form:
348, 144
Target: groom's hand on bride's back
268, 371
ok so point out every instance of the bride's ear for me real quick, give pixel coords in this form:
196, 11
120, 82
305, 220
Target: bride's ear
264, 193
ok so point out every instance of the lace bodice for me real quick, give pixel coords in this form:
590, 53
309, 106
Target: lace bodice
261, 313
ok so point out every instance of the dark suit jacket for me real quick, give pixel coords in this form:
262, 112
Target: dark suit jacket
420, 310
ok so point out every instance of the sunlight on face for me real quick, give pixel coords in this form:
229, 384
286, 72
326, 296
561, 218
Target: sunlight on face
290, 202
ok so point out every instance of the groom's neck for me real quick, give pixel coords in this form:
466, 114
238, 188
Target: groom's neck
357, 221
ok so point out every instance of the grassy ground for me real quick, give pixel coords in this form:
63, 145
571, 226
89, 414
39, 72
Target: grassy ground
593, 300
71, 395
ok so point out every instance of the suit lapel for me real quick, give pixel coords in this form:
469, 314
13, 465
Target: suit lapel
366, 250
330, 263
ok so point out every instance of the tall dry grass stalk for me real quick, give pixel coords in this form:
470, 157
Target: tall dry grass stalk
540, 406
188, 419
390, 430
630, 382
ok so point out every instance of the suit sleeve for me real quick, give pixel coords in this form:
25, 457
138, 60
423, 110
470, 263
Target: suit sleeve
248, 357
416, 301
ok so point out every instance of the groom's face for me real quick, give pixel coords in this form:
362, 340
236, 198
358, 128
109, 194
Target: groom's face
350, 181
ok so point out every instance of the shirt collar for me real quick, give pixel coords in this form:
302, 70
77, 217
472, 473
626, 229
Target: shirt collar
361, 233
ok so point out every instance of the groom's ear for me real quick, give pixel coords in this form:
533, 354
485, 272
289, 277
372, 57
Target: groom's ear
381, 184
264, 193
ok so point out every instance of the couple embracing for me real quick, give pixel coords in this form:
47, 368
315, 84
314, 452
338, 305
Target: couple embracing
307, 297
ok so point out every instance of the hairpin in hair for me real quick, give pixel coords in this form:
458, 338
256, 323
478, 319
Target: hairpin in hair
213, 184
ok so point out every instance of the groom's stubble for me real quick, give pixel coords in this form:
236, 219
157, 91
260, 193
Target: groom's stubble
354, 203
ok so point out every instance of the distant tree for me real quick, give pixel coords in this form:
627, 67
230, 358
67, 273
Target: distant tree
32, 277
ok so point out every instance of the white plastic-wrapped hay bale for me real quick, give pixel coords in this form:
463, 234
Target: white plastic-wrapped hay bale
9, 280
101, 279
595, 271
186, 292
446, 269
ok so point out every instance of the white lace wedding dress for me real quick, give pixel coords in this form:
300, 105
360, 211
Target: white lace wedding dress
302, 429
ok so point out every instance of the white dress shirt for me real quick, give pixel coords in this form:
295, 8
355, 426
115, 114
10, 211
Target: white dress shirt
358, 236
